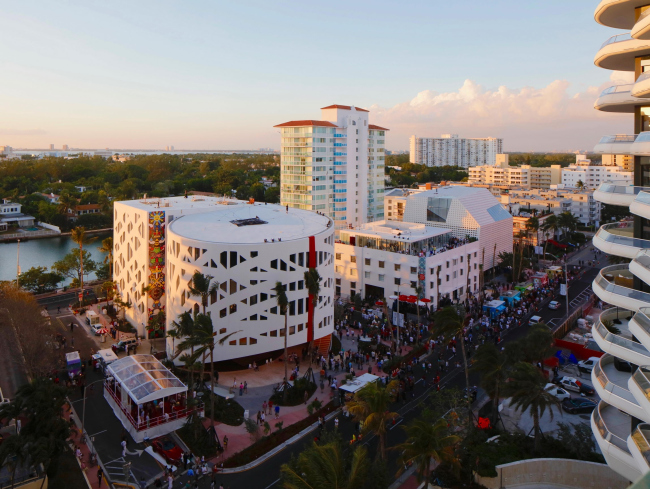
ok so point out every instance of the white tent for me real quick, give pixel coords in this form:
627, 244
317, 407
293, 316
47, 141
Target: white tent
359, 383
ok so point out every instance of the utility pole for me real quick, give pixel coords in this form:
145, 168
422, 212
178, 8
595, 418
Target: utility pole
566, 280
18, 266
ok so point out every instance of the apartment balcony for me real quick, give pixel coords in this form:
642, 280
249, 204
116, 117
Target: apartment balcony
611, 428
639, 385
620, 51
612, 387
617, 193
641, 87
639, 445
641, 29
617, 98
618, 239
621, 344
640, 266
617, 13
641, 204
613, 285
617, 144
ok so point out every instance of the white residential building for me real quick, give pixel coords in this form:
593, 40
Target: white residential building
386, 258
334, 165
592, 176
450, 150
519, 176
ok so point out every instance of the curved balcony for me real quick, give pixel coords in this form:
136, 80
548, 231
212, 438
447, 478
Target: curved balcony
639, 385
639, 445
640, 266
617, 98
617, 193
640, 206
641, 29
613, 285
618, 239
617, 13
619, 345
641, 87
639, 326
620, 51
611, 428
612, 387
617, 144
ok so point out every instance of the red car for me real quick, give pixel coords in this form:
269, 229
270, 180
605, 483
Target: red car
168, 449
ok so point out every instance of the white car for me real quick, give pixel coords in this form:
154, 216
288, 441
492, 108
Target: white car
572, 384
558, 392
554, 305
588, 364
534, 320
96, 328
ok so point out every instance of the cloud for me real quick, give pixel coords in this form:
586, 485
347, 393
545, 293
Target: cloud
528, 119
22, 132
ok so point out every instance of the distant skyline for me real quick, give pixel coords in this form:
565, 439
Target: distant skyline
218, 75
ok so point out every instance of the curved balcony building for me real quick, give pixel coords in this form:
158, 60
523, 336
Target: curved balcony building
621, 423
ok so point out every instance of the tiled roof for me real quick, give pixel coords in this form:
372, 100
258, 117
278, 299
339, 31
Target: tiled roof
344, 107
306, 123
379, 128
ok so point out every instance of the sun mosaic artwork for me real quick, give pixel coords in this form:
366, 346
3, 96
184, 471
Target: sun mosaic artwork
156, 270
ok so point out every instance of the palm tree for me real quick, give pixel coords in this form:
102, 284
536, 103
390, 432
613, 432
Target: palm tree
580, 185
532, 225
283, 304
107, 247
327, 467
419, 292
371, 406
527, 389
493, 367
184, 328
80, 237
426, 441
550, 224
66, 201
200, 286
204, 338
567, 222
537, 345
450, 323
312, 282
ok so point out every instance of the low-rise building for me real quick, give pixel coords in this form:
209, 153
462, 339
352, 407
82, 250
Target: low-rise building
81, 210
52, 198
516, 176
11, 215
584, 173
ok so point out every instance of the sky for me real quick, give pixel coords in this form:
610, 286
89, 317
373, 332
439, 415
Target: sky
214, 74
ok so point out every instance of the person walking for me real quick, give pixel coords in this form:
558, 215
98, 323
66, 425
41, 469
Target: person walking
277, 411
225, 443
123, 443
170, 481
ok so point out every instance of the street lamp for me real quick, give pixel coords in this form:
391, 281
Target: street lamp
83, 412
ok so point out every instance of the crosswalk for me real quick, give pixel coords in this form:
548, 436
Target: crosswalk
581, 298
115, 469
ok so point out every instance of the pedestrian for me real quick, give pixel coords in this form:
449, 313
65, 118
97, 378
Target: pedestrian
306, 396
72, 327
58, 309
170, 481
270, 406
123, 443
143, 483
264, 407
336, 423
277, 411
100, 476
245, 387
241, 389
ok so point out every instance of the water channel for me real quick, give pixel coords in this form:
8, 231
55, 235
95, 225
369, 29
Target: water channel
43, 253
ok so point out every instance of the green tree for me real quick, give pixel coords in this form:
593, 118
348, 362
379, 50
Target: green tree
493, 367
449, 323
283, 304
201, 286
327, 467
419, 293
532, 225
551, 226
580, 185
567, 222
80, 237
426, 441
107, 247
312, 282
66, 201
527, 390
371, 405
70, 266
38, 279
184, 328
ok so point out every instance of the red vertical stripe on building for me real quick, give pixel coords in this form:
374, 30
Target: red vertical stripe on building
310, 304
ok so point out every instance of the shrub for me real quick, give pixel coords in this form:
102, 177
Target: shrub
296, 394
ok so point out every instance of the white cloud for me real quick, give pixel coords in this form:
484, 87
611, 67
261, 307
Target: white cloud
528, 119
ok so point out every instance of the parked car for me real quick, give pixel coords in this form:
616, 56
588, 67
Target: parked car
578, 405
572, 384
554, 305
166, 447
558, 392
588, 364
124, 344
534, 320
96, 328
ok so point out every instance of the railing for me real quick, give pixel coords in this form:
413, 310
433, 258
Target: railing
340, 135
643, 197
609, 386
618, 138
144, 425
620, 187
617, 89
646, 74
641, 434
617, 340
640, 377
616, 233
29, 234
619, 289
610, 437
617, 38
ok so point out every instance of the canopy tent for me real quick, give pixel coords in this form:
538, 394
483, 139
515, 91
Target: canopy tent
144, 378
358, 383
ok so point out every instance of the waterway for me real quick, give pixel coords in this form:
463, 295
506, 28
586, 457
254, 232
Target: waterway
43, 253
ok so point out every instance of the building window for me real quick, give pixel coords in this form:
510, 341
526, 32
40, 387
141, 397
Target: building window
367, 261
447, 278
338, 281
381, 264
301, 284
223, 313
233, 308
447, 264
397, 282
274, 333
397, 268
414, 270
243, 341
381, 278
292, 330
353, 259
353, 285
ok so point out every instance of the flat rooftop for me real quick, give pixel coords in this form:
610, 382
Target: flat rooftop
180, 202
397, 230
249, 224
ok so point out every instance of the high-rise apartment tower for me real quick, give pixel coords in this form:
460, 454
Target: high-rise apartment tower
334, 165
450, 150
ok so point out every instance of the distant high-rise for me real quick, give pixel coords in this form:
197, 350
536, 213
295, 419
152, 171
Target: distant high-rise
65, 147
334, 165
51, 146
451, 150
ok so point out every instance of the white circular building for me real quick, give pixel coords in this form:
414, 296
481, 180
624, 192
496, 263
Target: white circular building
247, 248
